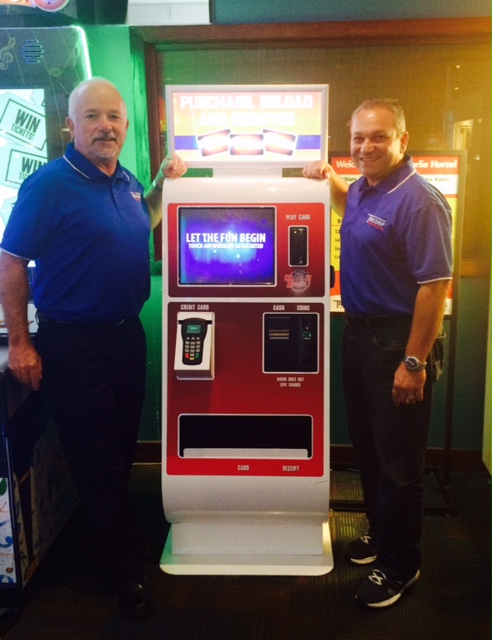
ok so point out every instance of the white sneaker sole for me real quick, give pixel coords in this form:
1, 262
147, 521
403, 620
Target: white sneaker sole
362, 561
396, 597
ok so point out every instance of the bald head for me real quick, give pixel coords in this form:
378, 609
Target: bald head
98, 122
91, 85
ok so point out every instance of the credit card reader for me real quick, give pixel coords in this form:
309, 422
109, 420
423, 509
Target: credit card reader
194, 357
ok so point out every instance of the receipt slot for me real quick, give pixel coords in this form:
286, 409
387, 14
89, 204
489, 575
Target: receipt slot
246, 334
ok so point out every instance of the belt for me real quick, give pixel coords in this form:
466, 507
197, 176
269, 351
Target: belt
43, 319
373, 322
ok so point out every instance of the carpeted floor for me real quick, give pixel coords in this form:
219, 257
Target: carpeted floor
451, 600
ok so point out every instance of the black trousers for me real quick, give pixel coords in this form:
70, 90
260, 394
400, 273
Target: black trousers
389, 442
95, 378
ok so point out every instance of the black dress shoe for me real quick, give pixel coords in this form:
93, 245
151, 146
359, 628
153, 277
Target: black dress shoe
134, 598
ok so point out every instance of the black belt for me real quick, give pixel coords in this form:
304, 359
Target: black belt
43, 319
373, 322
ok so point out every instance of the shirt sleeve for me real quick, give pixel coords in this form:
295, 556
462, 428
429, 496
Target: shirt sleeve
30, 224
429, 242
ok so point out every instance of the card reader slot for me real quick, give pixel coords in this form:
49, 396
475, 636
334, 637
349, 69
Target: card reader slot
277, 334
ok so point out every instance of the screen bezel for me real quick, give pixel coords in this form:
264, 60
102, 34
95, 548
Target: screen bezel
238, 208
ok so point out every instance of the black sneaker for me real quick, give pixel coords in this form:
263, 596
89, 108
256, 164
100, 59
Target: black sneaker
378, 591
134, 598
361, 551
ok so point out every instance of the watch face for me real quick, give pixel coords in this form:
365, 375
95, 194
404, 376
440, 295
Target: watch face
413, 364
51, 5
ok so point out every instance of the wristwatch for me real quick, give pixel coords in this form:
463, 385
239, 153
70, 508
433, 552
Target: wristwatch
414, 364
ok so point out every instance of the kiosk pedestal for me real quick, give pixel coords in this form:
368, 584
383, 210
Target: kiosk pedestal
246, 376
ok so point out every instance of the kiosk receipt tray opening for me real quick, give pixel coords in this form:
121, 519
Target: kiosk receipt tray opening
246, 436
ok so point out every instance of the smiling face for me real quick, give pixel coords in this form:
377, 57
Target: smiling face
98, 124
376, 146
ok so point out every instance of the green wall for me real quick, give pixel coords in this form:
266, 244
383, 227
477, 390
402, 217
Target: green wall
109, 49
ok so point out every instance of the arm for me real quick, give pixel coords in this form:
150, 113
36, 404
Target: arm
427, 320
170, 168
24, 360
338, 188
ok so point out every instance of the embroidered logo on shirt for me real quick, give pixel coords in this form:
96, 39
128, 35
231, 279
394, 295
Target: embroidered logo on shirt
374, 221
136, 196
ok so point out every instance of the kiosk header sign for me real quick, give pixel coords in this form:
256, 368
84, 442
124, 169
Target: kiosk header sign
220, 125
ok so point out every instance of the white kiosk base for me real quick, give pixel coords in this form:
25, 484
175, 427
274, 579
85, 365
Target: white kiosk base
275, 550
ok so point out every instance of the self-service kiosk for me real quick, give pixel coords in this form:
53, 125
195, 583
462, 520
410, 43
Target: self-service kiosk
245, 473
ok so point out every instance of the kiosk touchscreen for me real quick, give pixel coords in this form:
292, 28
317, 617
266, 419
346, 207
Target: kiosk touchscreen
246, 289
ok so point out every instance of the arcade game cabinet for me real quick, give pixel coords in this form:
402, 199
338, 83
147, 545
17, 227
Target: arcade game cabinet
38, 69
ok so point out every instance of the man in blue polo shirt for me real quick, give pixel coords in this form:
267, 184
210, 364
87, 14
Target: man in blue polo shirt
86, 222
395, 269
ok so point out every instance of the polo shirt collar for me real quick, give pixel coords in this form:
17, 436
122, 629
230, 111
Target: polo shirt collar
80, 164
394, 180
